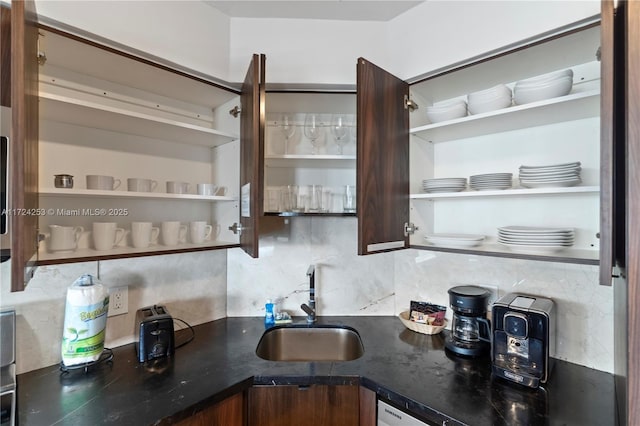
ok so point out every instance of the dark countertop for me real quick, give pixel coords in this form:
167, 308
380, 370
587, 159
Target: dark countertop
404, 367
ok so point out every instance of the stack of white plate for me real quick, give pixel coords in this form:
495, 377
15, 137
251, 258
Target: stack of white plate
491, 181
454, 240
448, 110
535, 239
497, 97
542, 87
554, 175
444, 185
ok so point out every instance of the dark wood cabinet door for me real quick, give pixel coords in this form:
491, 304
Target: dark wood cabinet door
252, 115
382, 176
23, 144
229, 412
317, 405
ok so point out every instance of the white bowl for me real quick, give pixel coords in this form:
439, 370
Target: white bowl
553, 89
437, 114
492, 93
477, 107
546, 78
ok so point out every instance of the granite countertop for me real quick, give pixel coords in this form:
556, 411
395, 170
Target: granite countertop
410, 369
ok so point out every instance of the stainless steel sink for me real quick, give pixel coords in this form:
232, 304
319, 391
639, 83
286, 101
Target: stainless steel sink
310, 343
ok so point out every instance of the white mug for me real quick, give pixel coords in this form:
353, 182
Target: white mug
199, 231
143, 234
106, 235
141, 185
207, 188
84, 240
174, 187
173, 233
105, 183
64, 238
123, 240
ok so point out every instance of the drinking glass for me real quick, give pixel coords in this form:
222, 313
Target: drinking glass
349, 199
313, 131
288, 129
339, 130
315, 198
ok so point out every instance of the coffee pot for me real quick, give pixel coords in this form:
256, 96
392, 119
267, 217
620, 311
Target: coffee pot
470, 330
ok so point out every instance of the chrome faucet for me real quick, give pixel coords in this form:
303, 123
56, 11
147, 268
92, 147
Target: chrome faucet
310, 306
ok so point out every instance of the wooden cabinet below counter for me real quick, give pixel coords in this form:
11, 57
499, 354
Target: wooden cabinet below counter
305, 405
229, 412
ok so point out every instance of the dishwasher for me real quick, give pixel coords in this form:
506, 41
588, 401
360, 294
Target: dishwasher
391, 416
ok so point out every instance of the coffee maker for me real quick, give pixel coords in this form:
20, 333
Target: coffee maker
524, 338
470, 330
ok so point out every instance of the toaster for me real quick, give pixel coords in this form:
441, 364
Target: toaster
154, 333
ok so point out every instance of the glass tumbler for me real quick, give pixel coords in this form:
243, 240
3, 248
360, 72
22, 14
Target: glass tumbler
315, 198
349, 199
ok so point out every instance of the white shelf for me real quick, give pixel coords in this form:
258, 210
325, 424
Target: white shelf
575, 254
311, 161
507, 193
45, 257
565, 108
87, 113
60, 192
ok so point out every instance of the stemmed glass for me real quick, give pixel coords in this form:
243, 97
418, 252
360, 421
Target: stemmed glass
288, 128
339, 130
312, 130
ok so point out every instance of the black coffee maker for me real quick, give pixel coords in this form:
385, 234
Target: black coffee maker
470, 330
524, 338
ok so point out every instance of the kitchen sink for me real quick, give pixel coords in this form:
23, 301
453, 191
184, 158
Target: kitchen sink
310, 343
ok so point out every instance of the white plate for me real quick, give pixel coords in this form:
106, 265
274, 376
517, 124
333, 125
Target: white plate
553, 166
542, 242
434, 190
463, 237
557, 184
534, 229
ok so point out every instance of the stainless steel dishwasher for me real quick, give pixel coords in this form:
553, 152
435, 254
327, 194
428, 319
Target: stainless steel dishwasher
391, 416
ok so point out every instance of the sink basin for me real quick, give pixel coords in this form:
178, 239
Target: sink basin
310, 343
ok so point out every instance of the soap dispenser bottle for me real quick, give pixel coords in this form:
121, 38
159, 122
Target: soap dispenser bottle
269, 317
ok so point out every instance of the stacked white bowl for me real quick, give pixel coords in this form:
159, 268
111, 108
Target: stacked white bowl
542, 87
447, 110
492, 99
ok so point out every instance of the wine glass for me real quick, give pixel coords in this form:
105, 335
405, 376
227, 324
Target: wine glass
288, 128
313, 131
339, 130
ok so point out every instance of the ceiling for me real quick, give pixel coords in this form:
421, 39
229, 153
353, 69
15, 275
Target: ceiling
348, 10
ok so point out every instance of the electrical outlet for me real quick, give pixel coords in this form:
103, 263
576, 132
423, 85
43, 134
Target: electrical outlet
118, 301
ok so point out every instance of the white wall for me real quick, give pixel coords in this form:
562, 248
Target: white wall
426, 37
188, 33
305, 50
439, 33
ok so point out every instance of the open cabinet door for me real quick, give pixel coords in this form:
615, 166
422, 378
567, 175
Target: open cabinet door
252, 118
23, 143
382, 160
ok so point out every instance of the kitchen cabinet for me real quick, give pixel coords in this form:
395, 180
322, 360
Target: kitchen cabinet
23, 145
106, 112
399, 148
290, 159
229, 412
304, 405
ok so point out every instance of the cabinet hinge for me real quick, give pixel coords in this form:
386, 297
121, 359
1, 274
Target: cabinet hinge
410, 104
235, 111
42, 56
409, 229
236, 228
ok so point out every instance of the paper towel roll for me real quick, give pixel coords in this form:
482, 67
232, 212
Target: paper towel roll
85, 321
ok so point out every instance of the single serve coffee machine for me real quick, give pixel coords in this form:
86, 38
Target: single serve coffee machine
524, 338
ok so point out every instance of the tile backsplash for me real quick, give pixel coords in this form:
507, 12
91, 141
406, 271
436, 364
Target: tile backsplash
200, 287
